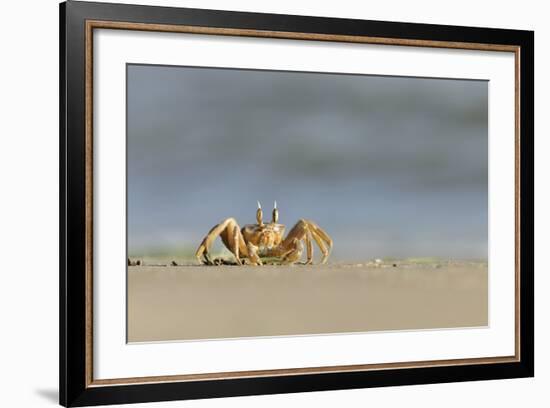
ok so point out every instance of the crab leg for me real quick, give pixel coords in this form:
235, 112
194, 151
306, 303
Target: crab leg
320, 232
305, 230
309, 247
295, 253
236, 242
230, 234
321, 245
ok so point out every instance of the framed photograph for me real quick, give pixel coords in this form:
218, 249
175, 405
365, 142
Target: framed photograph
257, 203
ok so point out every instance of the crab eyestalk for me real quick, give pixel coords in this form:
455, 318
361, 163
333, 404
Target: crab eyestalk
259, 214
275, 213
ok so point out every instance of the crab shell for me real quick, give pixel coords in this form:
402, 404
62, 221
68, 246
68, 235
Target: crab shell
266, 236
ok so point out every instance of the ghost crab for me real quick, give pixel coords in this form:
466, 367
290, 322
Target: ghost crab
261, 243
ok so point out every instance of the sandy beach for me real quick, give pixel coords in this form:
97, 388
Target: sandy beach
190, 302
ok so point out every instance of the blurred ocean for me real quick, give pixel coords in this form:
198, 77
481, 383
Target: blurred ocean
388, 166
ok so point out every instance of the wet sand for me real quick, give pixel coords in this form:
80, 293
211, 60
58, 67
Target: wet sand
209, 302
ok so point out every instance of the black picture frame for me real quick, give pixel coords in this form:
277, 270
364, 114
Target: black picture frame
75, 390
